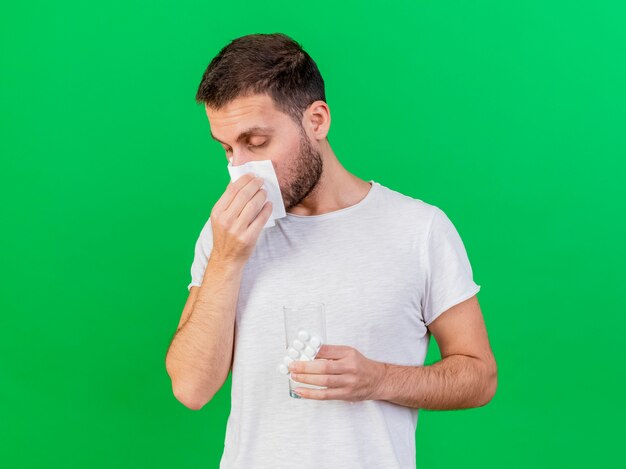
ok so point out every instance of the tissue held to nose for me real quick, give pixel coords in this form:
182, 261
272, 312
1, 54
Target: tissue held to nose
264, 169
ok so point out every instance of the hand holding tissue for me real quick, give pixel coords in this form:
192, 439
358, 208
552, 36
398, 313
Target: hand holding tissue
264, 169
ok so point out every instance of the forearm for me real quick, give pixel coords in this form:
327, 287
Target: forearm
455, 382
200, 353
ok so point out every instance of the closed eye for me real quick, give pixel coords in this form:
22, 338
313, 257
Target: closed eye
250, 146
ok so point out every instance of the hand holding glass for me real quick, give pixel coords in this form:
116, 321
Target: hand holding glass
305, 332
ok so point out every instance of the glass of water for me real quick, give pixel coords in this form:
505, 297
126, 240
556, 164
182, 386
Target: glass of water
305, 327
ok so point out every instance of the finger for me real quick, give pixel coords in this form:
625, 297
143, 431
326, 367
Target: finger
330, 381
333, 351
231, 191
259, 222
321, 394
251, 210
242, 197
321, 366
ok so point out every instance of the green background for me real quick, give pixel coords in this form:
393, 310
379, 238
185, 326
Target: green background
510, 116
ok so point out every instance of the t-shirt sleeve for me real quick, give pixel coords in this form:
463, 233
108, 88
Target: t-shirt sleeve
202, 250
448, 278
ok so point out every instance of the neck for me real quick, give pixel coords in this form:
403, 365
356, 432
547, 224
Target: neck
335, 190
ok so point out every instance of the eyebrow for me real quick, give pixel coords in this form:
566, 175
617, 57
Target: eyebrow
248, 133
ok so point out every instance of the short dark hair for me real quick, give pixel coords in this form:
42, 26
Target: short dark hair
271, 64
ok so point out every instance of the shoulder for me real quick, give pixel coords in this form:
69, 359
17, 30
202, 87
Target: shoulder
407, 209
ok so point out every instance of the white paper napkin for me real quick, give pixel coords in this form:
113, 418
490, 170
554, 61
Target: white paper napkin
264, 169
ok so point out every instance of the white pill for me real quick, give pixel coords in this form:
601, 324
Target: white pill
304, 358
283, 369
315, 341
293, 353
303, 335
309, 351
287, 360
297, 344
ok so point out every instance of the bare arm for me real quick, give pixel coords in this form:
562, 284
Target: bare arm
200, 354
465, 377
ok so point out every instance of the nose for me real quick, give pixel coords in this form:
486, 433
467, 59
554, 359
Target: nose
238, 160
235, 160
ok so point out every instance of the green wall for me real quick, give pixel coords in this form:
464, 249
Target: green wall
510, 116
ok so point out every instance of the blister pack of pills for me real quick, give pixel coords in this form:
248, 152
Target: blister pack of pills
304, 347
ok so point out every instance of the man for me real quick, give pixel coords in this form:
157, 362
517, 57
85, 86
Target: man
390, 269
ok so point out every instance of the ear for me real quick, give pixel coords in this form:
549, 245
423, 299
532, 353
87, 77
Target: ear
316, 119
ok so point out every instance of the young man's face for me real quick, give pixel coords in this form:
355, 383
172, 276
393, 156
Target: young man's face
251, 128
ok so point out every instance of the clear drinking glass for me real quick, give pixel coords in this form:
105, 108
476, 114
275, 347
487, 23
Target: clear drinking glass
310, 318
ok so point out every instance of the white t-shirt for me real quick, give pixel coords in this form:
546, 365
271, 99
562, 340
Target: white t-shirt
384, 268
